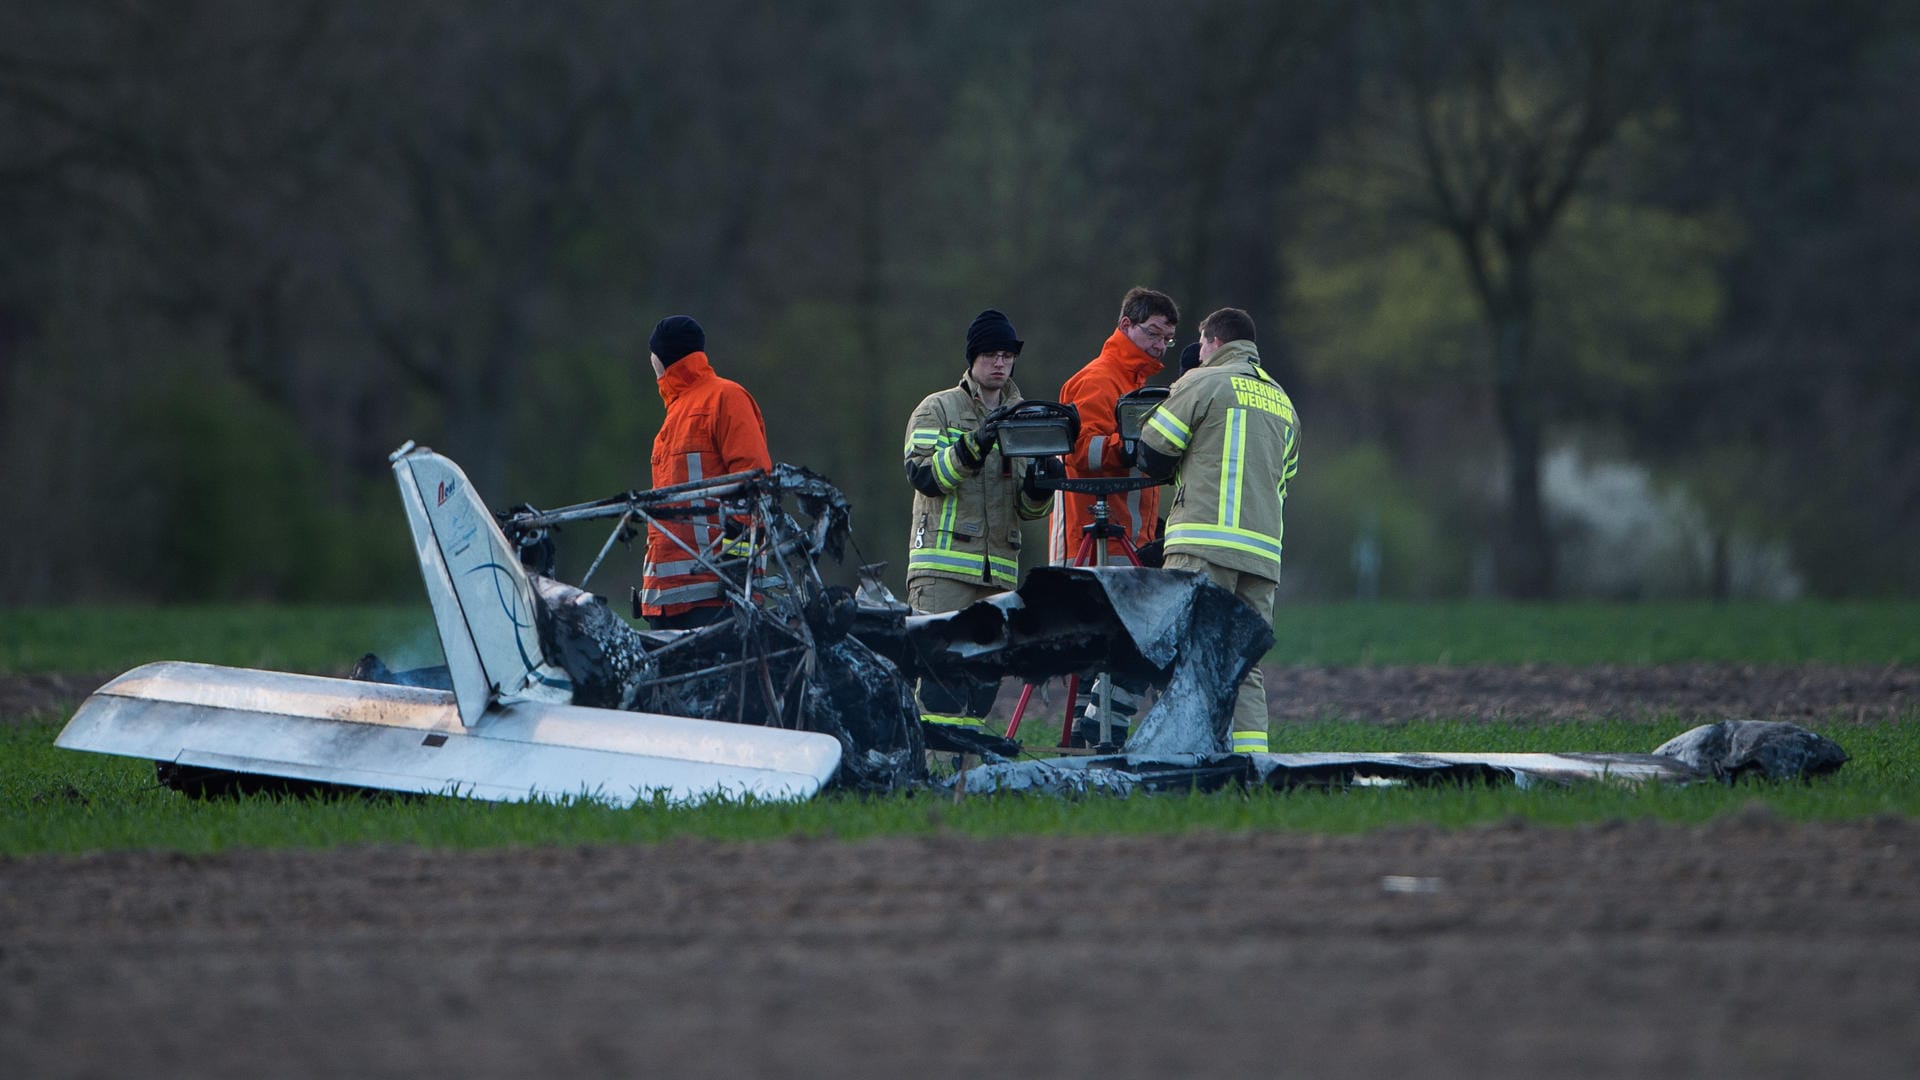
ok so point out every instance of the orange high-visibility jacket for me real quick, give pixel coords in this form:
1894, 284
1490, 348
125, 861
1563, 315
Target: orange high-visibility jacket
1121, 368
713, 427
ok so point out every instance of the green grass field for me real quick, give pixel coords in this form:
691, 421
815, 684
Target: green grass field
317, 640
58, 801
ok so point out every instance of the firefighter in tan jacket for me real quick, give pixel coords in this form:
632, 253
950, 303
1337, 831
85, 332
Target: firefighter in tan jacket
968, 502
1230, 437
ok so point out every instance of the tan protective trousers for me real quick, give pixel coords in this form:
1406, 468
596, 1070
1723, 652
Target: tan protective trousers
1250, 707
951, 704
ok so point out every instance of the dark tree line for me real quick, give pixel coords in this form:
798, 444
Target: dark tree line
252, 248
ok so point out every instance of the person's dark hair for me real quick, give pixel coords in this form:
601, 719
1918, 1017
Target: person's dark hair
1190, 357
1142, 303
1227, 324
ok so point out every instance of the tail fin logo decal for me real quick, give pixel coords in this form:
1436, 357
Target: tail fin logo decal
447, 487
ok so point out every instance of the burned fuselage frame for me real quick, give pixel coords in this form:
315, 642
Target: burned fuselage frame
783, 655
798, 653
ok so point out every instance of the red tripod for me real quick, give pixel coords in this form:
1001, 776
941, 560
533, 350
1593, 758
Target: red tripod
1093, 552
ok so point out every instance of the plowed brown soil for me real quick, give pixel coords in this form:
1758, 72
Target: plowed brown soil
1747, 947
1744, 948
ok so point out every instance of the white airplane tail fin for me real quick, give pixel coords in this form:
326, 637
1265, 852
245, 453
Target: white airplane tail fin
483, 603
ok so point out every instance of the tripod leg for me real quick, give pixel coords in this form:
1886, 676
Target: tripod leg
1080, 558
1084, 556
1019, 710
1088, 555
1073, 697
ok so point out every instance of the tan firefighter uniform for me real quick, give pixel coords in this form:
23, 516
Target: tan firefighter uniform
1236, 435
964, 544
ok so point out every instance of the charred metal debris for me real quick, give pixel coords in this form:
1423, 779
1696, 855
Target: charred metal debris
795, 652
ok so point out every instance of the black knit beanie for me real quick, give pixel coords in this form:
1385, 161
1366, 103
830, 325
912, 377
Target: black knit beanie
675, 336
1189, 357
991, 332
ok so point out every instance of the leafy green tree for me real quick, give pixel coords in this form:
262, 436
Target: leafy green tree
1480, 221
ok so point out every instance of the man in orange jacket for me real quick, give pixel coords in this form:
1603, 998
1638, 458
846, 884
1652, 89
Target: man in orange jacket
1130, 356
713, 427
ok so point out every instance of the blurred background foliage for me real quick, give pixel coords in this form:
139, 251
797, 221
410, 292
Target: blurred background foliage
1576, 299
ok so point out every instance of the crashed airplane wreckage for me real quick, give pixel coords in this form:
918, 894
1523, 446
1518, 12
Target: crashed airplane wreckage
547, 693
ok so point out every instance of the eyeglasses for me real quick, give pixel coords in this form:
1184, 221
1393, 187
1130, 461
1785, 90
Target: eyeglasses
995, 357
1164, 337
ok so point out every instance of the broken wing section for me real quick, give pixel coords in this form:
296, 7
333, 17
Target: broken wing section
1131, 773
411, 739
483, 604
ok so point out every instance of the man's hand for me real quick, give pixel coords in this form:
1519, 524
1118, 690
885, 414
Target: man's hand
1044, 470
977, 444
1152, 462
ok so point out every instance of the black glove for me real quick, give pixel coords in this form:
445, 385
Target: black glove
974, 446
986, 435
1152, 462
1153, 553
1044, 469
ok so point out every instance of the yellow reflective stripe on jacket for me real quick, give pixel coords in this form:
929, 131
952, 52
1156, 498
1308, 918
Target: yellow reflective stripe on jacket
1177, 434
947, 469
959, 562
1250, 742
1233, 458
953, 721
971, 563
1224, 536
944, 557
